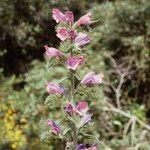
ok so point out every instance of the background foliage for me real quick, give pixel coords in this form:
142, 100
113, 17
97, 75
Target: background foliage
120, 48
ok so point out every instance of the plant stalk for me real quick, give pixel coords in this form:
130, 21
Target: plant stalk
75, 133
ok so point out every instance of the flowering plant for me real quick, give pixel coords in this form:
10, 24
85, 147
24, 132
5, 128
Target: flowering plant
72, 58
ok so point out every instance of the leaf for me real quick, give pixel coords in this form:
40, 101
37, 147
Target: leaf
66, 130
118, 123
50, 99
81, 93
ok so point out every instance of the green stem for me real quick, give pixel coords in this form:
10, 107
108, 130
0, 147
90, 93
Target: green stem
72, 84
75, 132
75, 138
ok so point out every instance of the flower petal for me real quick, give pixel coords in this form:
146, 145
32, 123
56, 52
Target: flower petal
62, 33
53, 88
84, 20
74, 62
54, 127
82, 108
92, 79
52, 52
69, 16
82, 39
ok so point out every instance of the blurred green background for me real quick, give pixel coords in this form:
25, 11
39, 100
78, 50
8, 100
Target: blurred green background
120, 47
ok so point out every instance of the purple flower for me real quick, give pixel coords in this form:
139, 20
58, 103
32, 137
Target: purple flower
52, 52
74, 62
92, 79
54, 127
53, 88
83, 147
69, 108
82, 39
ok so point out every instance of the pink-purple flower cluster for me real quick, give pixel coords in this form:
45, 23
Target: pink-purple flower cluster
63, 33
68, 32
58, 16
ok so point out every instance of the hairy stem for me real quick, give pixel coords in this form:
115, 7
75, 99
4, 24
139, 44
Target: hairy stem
75, 138
72, 84
75, 132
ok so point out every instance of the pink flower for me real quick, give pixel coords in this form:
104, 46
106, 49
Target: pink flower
69, 16
84, 20
82, 108
52, 52
82, 39
54, 127
53, 88
91, 78
58, 16
74, 62
62, 33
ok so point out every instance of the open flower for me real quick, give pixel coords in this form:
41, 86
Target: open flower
52, 52
84, 20
82, 39
82, 108
74, 62
58, 16
53, 88
62, 33
92, 79
54, 127
69, 16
